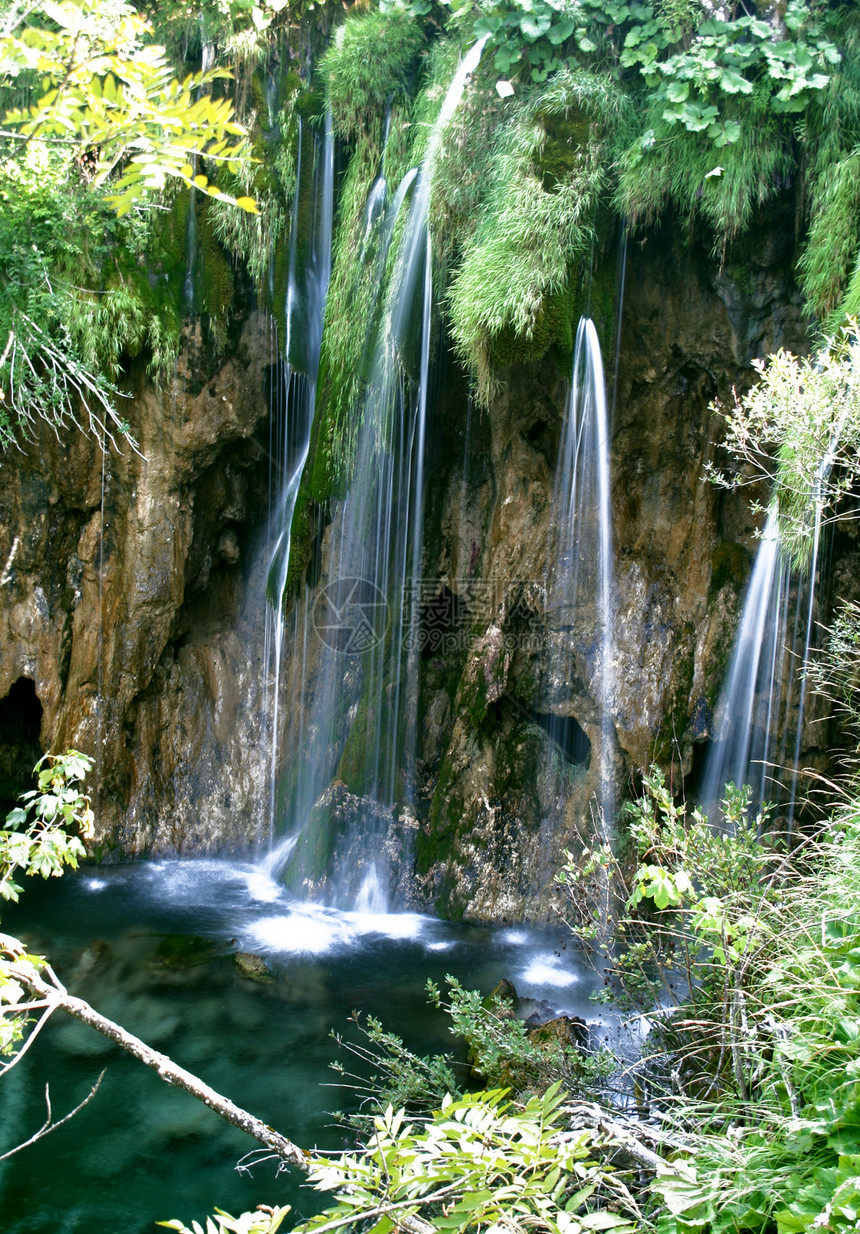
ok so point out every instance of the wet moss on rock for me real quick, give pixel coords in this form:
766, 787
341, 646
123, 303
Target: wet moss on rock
670, 735
730, 563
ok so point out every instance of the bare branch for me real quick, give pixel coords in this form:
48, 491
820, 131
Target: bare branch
48, 1126
169, 1071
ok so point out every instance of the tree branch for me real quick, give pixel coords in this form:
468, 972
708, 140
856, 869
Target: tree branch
48, 1126
169, 1071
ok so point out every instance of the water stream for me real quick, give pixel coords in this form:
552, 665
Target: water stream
581, 580
153, 946
361, 713
295, 402
759, 720
745, 748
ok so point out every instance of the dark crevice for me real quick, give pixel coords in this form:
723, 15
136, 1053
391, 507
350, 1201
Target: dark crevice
567, 736
20, 726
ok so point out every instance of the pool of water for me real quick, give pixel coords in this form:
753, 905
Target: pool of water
153, 946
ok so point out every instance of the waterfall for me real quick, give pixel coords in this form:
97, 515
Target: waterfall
747, 724
581, 572
294, 400
361, 630
763, 700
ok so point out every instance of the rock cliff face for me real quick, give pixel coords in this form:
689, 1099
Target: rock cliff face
132, 592
128, 601
495, 825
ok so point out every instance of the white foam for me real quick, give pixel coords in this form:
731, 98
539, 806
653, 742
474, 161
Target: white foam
299, 933
546, 970
261, 887
390, 925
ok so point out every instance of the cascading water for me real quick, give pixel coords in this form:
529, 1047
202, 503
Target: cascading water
294, 397
361, 714
760, 713
580, 582
746, 746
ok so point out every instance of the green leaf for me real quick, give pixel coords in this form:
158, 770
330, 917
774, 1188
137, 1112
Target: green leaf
678, 91
732, 83
559, 31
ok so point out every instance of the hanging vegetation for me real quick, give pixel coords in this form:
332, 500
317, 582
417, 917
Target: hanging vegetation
601, 105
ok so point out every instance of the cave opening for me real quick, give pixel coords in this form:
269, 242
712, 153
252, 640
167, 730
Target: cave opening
20, 726
567, 736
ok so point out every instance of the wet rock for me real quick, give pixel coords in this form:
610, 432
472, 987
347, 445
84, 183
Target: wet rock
252, 966
125, 605
535, 1011
184, 951
503, 998
564, 1030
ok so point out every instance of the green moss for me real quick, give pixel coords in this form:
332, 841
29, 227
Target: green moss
307, 520
215, 276
509, 299
664, 747
352, 768
552, 326
314, 848
831, 137
677, 168
730, 563
311, 103
369, 64
446, 818
741, 275
185, 951
831, 254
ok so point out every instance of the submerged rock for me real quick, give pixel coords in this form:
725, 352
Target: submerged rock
252, 966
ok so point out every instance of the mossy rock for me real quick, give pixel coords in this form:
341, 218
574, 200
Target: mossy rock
730, 563
676, 719
310, 103
185, 951
314, 848
251, 966
369, 63
446, 819
566, 135
553, 328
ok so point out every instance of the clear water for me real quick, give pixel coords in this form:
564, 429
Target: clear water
142, 1151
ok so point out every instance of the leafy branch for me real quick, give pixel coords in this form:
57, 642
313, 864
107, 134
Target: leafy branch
115, 96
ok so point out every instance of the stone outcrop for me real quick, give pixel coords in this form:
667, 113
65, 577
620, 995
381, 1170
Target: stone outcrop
128, 601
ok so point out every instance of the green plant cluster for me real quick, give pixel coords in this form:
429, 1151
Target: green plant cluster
42, 836
751, 952
85, 292
502, 1053
98, 125
263, 1220
589, 107
790, 1047
537, 221
479, 1163
798, 428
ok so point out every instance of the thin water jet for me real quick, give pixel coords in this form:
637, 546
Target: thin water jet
361, 719
580, 585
